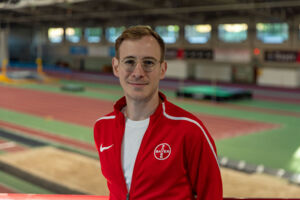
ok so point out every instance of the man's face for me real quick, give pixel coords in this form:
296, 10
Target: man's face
139, 68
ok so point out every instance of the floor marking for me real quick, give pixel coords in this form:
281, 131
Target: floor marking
260, 169
7, 145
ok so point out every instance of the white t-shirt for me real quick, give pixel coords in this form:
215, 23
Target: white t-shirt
134, 133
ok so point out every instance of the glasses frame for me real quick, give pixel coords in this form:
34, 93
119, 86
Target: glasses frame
130, 63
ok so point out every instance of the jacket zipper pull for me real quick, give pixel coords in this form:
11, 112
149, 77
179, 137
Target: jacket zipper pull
127, 196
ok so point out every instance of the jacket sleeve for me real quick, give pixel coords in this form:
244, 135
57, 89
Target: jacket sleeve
202, 165
96, 137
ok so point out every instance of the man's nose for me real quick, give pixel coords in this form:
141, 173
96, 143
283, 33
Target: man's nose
138, 70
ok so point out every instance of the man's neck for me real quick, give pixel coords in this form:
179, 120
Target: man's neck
140, 110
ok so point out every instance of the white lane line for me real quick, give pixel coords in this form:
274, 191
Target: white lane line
7, 145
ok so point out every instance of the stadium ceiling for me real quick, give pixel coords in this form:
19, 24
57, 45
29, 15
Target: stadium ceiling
114, 12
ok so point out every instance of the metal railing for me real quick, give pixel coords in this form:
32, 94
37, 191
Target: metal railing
11, 196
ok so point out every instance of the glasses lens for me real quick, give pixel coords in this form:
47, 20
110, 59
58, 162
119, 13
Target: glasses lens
147, 64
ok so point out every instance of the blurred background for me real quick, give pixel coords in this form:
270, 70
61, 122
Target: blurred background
235, 64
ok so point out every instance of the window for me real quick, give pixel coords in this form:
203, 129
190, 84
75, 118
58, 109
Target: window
93, 35
73, 34
197, 34
55, 35
233, 33
168, 33
112, 33
272, 33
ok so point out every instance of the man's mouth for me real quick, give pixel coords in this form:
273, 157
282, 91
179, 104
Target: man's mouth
137, 83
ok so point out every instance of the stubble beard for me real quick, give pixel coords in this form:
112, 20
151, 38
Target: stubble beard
143, 97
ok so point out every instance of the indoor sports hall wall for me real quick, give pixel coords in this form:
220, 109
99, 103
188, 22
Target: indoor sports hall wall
249, 61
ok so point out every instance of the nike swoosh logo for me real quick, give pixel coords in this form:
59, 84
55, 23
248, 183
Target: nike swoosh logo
105, 148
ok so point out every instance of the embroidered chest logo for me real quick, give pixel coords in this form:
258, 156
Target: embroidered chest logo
105, 148
162, 151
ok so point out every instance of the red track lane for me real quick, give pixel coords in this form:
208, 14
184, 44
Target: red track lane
84, 111
48, 136
63, 107
4, 189
241, 107
262, 110
221, 127
277, 99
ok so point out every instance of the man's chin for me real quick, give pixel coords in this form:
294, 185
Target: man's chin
139, 95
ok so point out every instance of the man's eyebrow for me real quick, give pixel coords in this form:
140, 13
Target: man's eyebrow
129, 57
134, 57
149, 57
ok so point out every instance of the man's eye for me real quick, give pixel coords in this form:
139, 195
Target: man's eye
130, 62
148, 63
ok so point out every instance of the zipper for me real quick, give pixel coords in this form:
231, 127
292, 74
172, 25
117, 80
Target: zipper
120, 152
138, 155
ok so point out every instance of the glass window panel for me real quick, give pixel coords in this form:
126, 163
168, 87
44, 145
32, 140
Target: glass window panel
112, 33
197, 34
55, 35
168, 33
93, 35
73, 34
233, 33
272, 33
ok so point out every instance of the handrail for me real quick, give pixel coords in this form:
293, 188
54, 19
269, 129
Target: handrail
13, 196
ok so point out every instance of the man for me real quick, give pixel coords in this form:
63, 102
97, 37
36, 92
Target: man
148, 147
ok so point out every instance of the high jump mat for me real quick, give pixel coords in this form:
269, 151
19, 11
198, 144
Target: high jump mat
215, 93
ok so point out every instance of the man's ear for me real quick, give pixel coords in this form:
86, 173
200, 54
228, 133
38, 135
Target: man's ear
115, 66
163, 69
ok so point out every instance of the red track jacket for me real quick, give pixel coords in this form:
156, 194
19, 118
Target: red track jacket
177, 158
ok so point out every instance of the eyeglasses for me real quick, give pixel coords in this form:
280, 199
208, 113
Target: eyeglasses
148, 64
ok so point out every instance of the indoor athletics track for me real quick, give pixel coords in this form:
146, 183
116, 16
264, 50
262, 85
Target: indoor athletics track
263, 131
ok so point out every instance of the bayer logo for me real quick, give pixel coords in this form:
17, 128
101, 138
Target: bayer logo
162, 151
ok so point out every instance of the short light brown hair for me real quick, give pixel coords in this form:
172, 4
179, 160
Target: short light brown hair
137, 32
